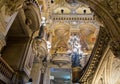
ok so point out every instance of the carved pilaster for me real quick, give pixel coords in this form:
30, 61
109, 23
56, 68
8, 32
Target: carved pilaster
36, 70
39, 48
47, 76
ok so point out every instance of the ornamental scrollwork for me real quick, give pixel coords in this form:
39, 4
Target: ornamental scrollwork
39, 48
115, 47
113, 7
13, 5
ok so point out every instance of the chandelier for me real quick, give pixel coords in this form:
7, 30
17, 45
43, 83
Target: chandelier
75, 50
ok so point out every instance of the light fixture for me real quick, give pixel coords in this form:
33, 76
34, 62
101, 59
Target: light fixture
76, 52
84, 11
30, 81
62, 11
52, 1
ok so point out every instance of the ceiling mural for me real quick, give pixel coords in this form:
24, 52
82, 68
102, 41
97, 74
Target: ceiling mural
60, 37
81, 34
61, 34
71, 34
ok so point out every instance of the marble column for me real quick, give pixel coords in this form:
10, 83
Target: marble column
36, 71
47, 76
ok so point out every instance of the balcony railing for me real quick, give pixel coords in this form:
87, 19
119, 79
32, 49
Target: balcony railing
6, 72
73, 17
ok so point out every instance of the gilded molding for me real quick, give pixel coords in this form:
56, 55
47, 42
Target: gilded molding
115, 47
97, 53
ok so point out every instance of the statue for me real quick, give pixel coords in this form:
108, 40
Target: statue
41, 32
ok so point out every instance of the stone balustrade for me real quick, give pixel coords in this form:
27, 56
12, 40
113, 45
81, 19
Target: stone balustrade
6, 72
73, 17
61, 59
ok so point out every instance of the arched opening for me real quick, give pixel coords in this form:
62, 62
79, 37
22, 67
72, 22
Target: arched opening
80, 42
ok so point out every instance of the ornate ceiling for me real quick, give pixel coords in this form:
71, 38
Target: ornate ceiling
61, 35
62, 30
